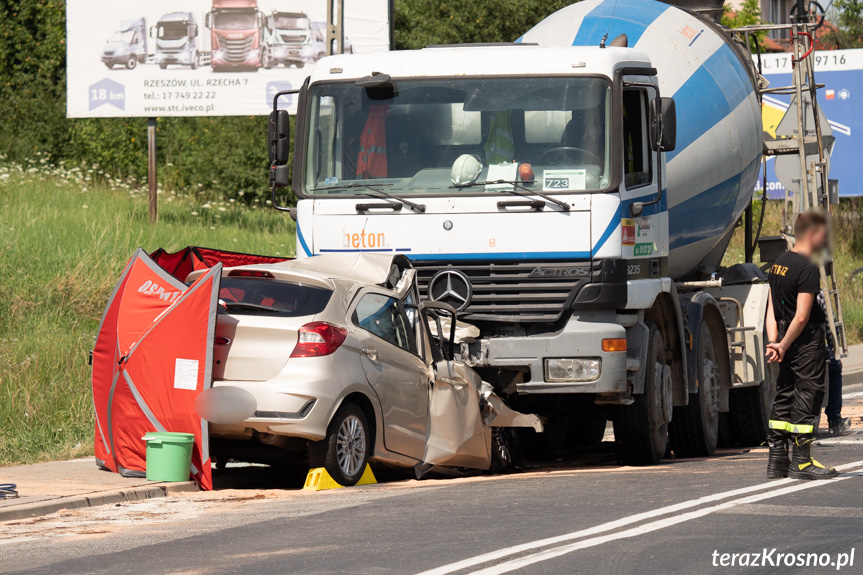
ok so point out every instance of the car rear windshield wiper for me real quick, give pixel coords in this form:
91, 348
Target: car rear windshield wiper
375, 192
250, 306
516, 186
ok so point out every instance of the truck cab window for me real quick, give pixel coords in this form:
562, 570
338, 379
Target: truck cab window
637, 159
409, 135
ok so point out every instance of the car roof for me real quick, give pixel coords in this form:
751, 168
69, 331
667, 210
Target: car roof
359, 267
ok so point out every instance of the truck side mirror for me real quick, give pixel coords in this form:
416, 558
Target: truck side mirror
260, 19
663, 124
208, 20
195, 31
278, 146
152, 31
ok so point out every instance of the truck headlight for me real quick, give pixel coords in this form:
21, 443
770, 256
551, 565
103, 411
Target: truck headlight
571, 369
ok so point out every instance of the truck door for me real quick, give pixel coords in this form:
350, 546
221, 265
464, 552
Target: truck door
395, 370
644, 234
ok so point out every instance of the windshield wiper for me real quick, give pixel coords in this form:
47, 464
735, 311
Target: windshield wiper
375, 192
247, 305
516, 186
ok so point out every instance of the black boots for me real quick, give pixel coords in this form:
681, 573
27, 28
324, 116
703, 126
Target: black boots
777, 458
802, 464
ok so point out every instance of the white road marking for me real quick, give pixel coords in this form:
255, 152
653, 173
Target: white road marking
647, 528
611, 525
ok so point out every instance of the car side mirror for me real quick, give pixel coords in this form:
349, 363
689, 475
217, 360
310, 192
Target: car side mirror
278, 147
663, 124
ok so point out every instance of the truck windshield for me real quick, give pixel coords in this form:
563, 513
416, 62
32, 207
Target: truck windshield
236, 20
447, 136
292, 23
172, 31
122, 37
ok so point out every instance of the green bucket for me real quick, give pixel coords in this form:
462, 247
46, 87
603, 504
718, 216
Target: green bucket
169, 455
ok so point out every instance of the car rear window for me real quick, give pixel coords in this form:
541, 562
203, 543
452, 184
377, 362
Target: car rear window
263, 296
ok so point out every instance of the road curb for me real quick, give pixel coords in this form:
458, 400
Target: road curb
27, 510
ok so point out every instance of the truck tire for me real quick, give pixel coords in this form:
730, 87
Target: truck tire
694, 429
163, 65
345, 450
749, 410
639, 431
195, 61
109, 65
266, 62
131, 63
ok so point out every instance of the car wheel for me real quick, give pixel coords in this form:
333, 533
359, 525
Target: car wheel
345, 450
131, 63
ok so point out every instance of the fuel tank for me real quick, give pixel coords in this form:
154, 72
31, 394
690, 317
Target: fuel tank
711, 174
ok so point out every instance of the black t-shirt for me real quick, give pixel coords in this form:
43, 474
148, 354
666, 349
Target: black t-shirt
794, 274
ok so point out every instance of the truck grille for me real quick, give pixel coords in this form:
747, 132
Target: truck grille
292, 39
236, 51
522, 292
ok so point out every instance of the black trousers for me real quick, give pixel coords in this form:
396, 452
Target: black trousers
801, 386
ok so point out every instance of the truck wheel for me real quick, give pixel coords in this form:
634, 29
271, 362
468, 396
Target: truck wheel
131, 63
163, 64
195, 62
344, 452
641, 429
749, 409
109, 65
694, 429
266, 62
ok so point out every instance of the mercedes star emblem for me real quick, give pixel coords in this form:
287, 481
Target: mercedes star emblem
451, 287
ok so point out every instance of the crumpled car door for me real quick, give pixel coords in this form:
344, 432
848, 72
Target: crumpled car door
457, 435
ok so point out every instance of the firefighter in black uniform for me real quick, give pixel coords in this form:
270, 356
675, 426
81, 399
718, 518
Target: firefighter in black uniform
796, 333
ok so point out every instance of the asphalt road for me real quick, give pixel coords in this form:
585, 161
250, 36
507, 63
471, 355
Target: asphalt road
583, 518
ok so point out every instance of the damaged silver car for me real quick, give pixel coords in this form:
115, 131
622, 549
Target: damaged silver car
335, 358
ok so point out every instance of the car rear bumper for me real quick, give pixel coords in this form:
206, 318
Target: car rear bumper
580, 338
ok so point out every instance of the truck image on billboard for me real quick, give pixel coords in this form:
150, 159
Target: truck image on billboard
202, 57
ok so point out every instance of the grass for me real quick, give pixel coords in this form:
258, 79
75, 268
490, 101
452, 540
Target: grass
848, 247
63, 242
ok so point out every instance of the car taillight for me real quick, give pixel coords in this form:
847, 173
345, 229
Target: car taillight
319, 338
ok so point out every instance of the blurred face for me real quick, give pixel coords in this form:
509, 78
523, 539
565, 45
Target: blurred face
818, 238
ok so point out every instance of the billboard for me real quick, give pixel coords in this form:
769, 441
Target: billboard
841, 72
202, 57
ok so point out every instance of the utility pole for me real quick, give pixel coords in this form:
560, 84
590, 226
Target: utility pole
151, 168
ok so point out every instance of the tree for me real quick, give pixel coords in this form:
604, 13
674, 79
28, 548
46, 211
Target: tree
748, 15
849, 32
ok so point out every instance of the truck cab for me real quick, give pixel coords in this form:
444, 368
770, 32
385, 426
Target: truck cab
236, 30
288, 40
176, 35
127, 46
523, 182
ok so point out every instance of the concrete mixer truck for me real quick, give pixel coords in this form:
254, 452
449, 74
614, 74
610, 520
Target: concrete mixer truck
572, 195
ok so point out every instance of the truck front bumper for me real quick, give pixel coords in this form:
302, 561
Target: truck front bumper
581, 337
